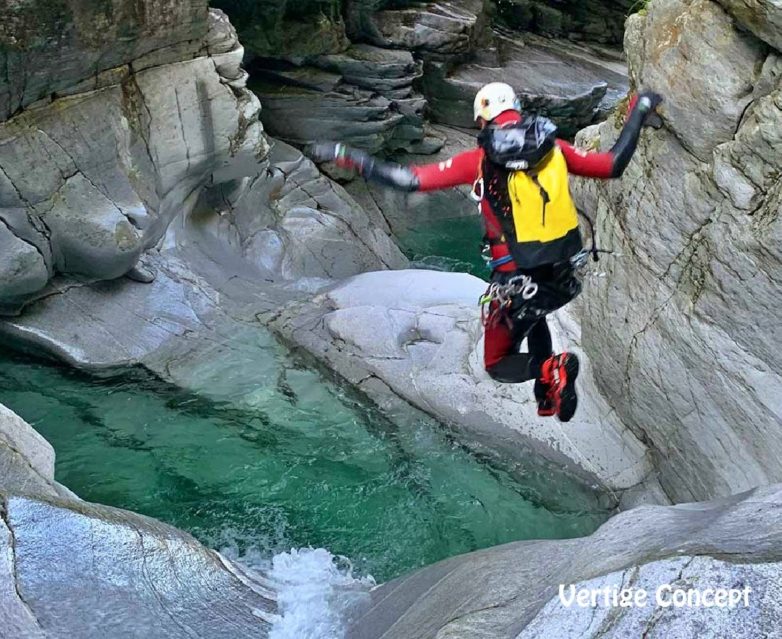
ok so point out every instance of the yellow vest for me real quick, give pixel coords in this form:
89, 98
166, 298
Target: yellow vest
543, 209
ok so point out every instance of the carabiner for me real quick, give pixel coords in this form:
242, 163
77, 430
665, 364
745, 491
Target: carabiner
477, 190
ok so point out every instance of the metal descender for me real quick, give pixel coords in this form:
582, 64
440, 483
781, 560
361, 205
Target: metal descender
501, 295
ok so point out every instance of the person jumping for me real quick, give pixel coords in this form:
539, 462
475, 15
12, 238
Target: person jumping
519, 174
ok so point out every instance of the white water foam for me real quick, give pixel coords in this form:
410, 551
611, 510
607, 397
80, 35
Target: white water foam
316, 591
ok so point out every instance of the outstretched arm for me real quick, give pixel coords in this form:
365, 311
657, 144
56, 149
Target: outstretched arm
461, 169
613, 163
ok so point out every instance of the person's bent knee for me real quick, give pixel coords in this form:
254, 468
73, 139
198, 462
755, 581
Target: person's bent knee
494, 371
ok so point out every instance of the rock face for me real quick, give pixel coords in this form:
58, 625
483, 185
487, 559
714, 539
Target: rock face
401, 57
91, 179
761, 17
684, 331
405, 212
511, 591
281, 27
247, 247
595, 20
572, 96
416, 334
76, 569
49, 48
685, 576
294, 224
68, 568
363, 96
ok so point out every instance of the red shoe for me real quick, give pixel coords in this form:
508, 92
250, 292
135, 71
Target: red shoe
559, 373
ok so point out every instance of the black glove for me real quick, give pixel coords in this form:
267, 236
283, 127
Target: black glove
642, 114
385, 173
648, 101
343, 156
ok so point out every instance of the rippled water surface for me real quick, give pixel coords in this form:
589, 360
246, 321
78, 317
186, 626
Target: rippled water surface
449, 244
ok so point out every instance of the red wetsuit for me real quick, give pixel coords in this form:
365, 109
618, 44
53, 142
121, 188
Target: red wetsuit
464, 168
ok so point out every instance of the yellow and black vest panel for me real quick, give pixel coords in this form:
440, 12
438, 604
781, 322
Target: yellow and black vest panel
537, 212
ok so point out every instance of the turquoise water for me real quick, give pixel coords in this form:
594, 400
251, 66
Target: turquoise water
447, 244
283, 456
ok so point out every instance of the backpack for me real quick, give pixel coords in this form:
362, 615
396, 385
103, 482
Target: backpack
526, 182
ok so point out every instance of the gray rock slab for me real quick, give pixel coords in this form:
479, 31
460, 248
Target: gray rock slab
500, 592
405, 211
26, 459
685, 580
690, 51
761, 17
441, 27
570, 96
94, 178
48, 47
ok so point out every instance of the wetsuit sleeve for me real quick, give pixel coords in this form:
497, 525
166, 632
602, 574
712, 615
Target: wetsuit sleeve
592, 164
460, 169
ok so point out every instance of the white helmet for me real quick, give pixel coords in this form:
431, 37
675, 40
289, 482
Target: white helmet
493, 99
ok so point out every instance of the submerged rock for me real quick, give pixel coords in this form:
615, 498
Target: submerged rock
511, 591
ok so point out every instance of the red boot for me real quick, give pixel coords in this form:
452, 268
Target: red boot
559, 373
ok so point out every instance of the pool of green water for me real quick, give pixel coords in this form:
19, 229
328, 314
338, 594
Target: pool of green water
285, 457
446, 244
